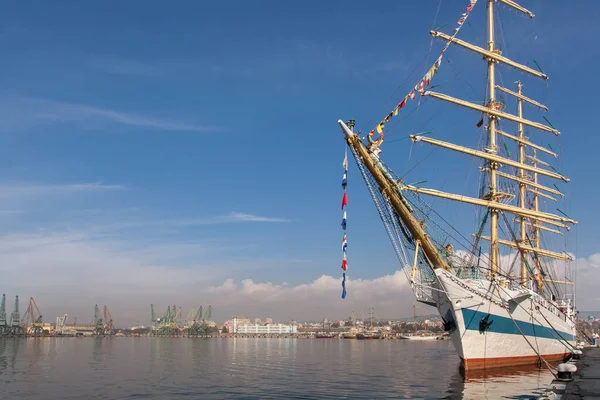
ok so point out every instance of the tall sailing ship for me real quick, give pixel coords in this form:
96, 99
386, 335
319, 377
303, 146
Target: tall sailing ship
508, 306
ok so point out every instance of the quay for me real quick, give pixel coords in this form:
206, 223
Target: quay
585, 383
586, 380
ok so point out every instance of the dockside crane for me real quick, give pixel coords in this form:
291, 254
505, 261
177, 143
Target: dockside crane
108, 322
60, 324
3, 324
178, 318
98, 322
208, 316
190, 320
198, 317
32, 320
170, 324
15, 327
152, 315
200, 326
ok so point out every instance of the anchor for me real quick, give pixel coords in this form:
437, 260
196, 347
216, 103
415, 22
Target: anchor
484, 324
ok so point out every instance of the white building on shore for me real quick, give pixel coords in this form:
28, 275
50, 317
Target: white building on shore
238, 325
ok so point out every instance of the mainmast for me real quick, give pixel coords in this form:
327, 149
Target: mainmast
522, 175
493, 179
536, 227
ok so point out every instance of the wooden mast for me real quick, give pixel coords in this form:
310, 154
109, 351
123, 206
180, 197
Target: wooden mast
523, 237
493, 179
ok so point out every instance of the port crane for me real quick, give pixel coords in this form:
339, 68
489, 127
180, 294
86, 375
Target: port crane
32, 320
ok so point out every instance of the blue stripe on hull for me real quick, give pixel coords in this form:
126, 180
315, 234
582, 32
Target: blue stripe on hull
507, 326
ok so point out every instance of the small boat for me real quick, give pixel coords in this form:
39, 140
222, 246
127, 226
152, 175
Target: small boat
324, 336
421, 337
368, 335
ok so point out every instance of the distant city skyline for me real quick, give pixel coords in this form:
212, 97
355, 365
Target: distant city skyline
189, 153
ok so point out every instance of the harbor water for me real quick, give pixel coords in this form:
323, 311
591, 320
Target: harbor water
226, 368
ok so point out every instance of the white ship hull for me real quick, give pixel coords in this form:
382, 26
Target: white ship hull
522, 325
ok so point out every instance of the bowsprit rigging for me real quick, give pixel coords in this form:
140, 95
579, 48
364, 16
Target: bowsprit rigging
494, 316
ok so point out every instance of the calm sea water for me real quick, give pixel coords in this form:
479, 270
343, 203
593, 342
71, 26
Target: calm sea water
171, 368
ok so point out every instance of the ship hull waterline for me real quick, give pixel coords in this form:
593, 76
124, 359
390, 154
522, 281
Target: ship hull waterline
515, 331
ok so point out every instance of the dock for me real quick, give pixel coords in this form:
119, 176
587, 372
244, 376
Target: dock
586, 380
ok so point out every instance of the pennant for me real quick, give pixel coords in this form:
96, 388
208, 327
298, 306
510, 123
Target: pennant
344, 204
480, 123
426, 80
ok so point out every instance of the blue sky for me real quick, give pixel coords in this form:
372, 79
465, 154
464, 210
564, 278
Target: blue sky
150, 152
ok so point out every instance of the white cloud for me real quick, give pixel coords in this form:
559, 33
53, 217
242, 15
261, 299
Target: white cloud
243, 217
588, 281
233, 217
23, 189
24, 113
389, 294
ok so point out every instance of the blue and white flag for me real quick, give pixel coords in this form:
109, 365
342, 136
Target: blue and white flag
344, 221
344, 243
344, 285
345, 179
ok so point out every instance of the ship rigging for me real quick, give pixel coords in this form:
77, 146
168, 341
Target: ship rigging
494, 316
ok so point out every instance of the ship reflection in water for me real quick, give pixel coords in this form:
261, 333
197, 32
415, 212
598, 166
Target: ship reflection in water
516, 381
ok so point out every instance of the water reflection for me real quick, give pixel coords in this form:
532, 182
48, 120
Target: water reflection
499, 383
165, 368
3, 357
